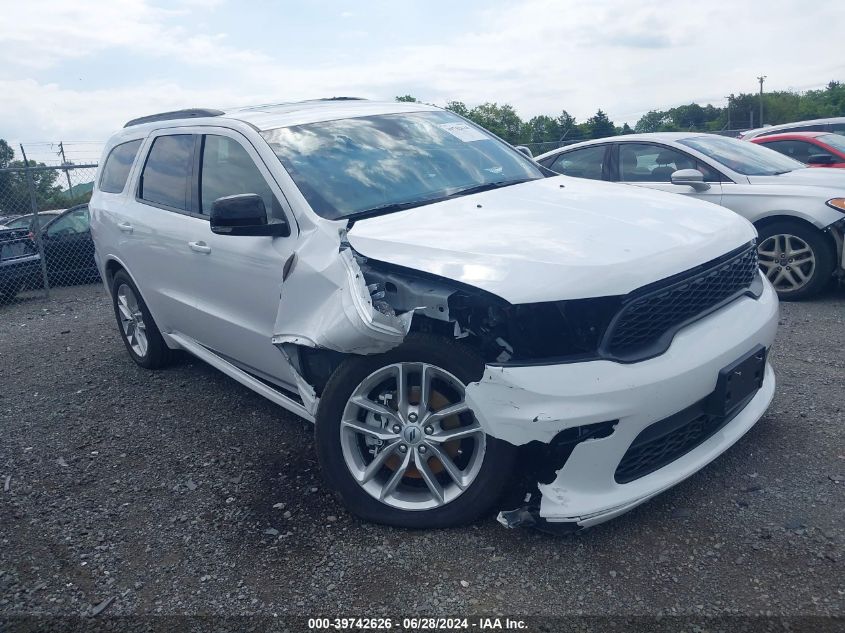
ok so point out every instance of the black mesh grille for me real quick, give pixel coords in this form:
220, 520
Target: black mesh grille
646, 456
642, 323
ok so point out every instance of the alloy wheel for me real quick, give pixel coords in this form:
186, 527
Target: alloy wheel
132, 320
787, 260
409, 438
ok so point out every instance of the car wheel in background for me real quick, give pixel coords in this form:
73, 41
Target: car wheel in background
796, 258
137, 329
397, 440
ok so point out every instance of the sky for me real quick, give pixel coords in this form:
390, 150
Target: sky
76, 71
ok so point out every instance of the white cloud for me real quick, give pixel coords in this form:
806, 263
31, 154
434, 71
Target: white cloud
539, 55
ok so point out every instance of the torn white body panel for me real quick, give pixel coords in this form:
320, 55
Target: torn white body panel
325, 303
524, 404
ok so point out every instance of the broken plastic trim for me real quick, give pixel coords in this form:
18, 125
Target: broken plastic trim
529, 517
541, 464
325, 303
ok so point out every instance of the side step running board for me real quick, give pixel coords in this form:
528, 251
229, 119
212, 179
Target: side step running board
191, 346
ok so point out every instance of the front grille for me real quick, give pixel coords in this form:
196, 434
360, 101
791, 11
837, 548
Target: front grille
646, 321
648, 454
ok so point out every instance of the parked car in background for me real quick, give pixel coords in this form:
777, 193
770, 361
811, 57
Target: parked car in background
19, 261
26, 221
835, 125
799, 213
814, 149
433, 300
68, 248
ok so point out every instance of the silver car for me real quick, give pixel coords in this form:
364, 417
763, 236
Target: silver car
799, 213
834, 125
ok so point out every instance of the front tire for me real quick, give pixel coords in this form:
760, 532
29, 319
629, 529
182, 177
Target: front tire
796, 258
397, 440
137, 328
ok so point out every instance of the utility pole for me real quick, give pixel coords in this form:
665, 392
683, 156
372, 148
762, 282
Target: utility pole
67, 172
761, 79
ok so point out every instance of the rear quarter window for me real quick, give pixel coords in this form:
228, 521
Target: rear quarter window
118, 163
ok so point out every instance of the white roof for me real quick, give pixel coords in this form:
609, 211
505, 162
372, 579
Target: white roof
266, 117
665, 137
771, 129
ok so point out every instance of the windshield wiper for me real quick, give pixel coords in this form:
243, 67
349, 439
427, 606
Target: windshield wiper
391, 207
487, 186
388, 208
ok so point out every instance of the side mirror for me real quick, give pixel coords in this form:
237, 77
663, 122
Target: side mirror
690, 177
244, 214
525, 150
821, 159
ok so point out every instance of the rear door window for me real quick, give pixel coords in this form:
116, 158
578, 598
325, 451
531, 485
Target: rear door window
581, 163
167, 172
118, 164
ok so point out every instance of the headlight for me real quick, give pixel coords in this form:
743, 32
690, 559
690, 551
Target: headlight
837, 203
554, 331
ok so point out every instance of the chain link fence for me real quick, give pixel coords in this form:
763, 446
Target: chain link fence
45, 239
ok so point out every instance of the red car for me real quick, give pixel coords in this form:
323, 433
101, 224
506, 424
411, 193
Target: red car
816, 149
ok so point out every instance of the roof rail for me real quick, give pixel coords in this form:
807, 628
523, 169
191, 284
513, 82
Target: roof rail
342, 99
190, 113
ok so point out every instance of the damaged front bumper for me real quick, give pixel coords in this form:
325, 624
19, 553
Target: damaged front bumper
536, 403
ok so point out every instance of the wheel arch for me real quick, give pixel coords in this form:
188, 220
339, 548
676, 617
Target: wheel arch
110, 268
775, 219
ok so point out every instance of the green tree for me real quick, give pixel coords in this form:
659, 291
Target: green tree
652, 121
541, 129
502, 120
600, 125
567, 124
408, 99
7, 154
14, 188
458, 107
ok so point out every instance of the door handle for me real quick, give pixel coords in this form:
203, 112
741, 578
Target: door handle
200, 247
126, 227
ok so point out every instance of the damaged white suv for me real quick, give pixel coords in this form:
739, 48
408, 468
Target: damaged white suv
434, 301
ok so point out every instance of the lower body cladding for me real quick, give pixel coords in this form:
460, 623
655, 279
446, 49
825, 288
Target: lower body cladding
669, 399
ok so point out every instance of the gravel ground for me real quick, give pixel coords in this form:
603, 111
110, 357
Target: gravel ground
181, 492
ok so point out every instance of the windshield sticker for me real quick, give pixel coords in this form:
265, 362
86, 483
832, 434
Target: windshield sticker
464, 131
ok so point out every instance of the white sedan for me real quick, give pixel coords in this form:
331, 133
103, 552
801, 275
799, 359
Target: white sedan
799, 213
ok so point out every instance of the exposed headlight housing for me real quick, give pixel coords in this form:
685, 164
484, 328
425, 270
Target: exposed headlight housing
837, 203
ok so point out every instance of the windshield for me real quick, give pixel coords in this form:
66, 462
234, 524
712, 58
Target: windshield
743, 157
377, 164
836, 141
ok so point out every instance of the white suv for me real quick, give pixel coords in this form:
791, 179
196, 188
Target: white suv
433, 300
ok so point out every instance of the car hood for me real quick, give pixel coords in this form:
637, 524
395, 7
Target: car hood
554, 238
833, 179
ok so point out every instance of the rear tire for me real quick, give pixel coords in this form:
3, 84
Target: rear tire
137, 328
796, 258
437, 482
